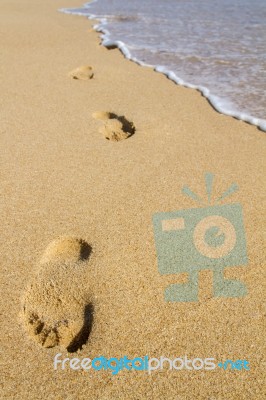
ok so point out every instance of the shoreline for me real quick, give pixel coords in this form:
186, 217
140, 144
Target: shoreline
204, 91
61, 177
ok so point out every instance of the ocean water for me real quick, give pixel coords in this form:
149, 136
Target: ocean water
215, 46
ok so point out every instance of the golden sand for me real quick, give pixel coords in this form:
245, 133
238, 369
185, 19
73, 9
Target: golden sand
61, 177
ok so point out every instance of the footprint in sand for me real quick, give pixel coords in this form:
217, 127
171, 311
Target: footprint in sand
115, 127
57, 307
83, 73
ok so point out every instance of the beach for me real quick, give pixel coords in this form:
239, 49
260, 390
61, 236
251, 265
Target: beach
61, 177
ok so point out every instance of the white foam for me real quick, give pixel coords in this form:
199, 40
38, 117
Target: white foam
220, 105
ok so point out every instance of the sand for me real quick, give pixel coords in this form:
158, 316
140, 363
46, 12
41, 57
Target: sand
61, 177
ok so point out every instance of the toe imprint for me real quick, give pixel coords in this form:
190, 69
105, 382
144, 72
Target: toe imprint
57, 309
115, 127
84, 73
66, 247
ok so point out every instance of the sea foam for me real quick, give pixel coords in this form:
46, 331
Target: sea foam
146, 50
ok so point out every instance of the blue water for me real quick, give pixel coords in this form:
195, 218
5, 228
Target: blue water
216, 46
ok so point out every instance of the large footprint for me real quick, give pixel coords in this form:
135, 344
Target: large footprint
57, 309
115, 127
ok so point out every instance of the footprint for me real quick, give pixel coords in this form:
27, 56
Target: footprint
83, 73
57, 308
115, 127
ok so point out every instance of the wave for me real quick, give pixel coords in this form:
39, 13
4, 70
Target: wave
220, 105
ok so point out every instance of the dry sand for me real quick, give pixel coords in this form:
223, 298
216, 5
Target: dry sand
60, 176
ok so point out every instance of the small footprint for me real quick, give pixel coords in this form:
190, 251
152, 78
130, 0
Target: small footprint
83, 73
57, 307
115, 127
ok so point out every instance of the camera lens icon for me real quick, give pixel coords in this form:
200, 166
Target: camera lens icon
214, 236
